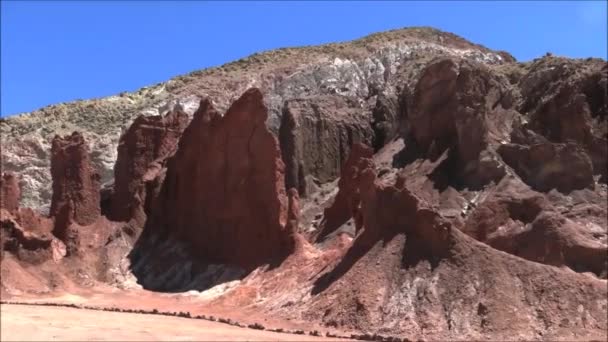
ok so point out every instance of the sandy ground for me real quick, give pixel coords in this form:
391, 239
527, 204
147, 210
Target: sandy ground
47, 323
195, 303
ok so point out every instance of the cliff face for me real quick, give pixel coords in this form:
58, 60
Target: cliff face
316, 135
224, 190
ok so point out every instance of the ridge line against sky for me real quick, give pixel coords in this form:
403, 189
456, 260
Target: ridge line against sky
59, 51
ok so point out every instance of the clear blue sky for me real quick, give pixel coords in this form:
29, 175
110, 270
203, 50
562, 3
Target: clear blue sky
59, 51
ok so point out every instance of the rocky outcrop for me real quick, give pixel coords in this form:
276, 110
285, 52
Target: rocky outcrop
465, 107
567, 101
515, 219
76, 196
427, 232
411, 273
547, 166
347, 200
224, 190
510, 202
316, 135
148, 140
10, 192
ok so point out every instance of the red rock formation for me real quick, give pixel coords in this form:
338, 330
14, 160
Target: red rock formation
408, 262
390, 209
567, 101
510, 201
76, 185
10, 192
224, 189
148, 139
517, 220
346, 202
461, 106
567, 117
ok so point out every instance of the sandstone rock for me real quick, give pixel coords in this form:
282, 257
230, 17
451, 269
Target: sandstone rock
316, 135
346, 202
224, 190
586, 207
10, 193
547, 166
461, 105
76, 197
148, 139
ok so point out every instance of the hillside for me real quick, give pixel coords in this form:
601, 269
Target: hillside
361, 69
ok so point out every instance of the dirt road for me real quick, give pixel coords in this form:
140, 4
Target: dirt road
47, 323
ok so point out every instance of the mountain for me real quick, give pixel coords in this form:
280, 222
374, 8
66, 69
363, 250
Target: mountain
362, 70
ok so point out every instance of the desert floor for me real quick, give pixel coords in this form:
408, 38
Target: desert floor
48, 323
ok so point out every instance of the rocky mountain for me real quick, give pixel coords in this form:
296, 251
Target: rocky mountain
366, 71
407, 185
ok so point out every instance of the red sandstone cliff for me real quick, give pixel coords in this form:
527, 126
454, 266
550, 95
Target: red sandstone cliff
224, 189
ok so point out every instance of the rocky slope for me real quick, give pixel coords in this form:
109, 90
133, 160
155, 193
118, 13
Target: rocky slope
409, 185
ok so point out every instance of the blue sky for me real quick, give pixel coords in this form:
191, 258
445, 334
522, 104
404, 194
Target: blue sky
60, 51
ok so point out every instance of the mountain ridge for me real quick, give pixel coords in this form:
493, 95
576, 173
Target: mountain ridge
288, 73
372, 37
